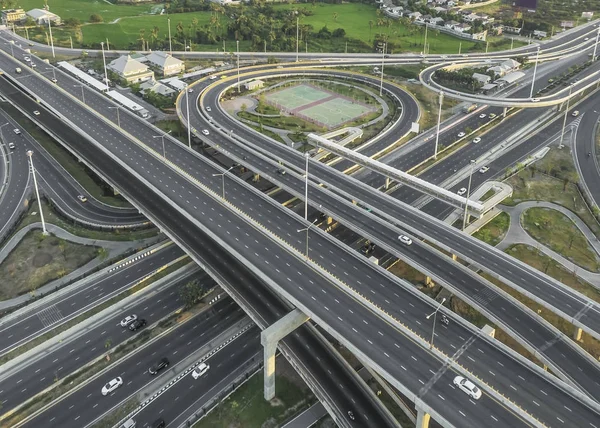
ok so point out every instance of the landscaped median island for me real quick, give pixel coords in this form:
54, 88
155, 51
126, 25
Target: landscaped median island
39, 259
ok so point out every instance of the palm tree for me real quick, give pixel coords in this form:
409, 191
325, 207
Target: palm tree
335, 16
370, 28
194, 24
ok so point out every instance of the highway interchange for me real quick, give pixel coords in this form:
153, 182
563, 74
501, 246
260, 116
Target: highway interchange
175, 154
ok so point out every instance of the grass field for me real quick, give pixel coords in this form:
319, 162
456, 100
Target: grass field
123, 25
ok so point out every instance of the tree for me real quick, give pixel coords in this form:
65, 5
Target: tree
339, 32
335, 16
102, 253
370, 28
95, 18
191, 293
72, 22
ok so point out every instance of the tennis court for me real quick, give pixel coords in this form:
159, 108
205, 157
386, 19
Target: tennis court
317, 105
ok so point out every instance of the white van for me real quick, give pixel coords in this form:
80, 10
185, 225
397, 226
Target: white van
129, 423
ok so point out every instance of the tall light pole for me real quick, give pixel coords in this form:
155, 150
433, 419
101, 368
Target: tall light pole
51, 40
118, 118
37, 192
82, 93
425, 41
562, 132
105, 72
307, 156
53, 72
12, 49
487, 45
306, 229
468, 195
537, 55
434, 315
512, 42
459, 47
297, 34
107, 45
222, 174
382, 63
71, 40
237, 42
170, 45
1, 135
187, 108
162, 137
437, 132
596, 44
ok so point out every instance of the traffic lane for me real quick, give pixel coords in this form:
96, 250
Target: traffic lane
265, 299
60, 361
87, 403
585, 144
184, 184
188, 395
55, 310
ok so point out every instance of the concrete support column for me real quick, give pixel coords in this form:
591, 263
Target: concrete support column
429, 282
422, 419
115, 191
256, 177
269, 338
504, 111
387, 183
454, 257
578, 333
329, 220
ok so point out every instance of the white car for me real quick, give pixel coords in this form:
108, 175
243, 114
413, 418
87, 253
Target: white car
112, 385
208, 108
82, 198
205, 131
467, 387
461, 134
461, 191
190, 90
212, 77
476, 140
54, 80
405, 239
535, 100
36, 112
128, 320
26, 59
11, 146
444, 56
484, 169
200, 370
17, 131
482, 116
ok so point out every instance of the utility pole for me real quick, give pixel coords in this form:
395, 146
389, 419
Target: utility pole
105, 72
37, 192
382, 63
537, 56
437, 133
51, 40
170, 45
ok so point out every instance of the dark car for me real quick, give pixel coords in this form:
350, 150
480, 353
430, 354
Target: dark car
162, 364
137, 324
368, 248
159, 423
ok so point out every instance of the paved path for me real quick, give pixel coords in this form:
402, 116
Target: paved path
517, 235
114, 248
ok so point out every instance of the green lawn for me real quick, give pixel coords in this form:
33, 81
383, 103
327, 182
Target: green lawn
493, 232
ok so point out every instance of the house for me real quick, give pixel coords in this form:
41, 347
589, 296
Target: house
437, 21
425, 18
482, 78
165, 64
511, 30
452, 3
42, 17
451, 24
174, 83
13, 16
156, 87
415, 15
440, 9
509, 78
253, 84
505, 67
540, 34
471, 17
462, 27
131, 70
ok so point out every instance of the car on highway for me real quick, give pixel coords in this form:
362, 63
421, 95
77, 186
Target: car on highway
36, 112
575, 113
82, 198
128, 320
33, 65
461, 191
535, 100
54, 80
17, 131
281, 171
205, 131
212, 77
484, 169
190, 90
444, 56
11, 146
137, 324
461, 134
482, 116
163, 363
467, 387
159, 423
405, 239
26, 59
476, 140
200, 370
493, 115
208, 108
112, 385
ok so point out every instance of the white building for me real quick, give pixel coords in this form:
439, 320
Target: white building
165, 64
41, 17
156, 87
481, 78
505, 67
131, 70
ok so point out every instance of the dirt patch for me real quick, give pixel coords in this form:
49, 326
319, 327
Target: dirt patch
38, 259
236, 104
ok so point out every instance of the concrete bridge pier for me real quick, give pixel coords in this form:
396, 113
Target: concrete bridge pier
269, 339
504, 111
578, 333
422, 418
387, 183
256, 177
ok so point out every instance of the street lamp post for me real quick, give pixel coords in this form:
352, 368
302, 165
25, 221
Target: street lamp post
187, 108
118, 118
468, 195
82, 93
596, 44
237, 42
537, 56
434, 314
437, 132
12, 49
425, 41
170, 45
51, 40
307, 156
222, 174
459, 47
162, 137
105, 72
53, 72
562, 132
382, 63
37, 192
306, 229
